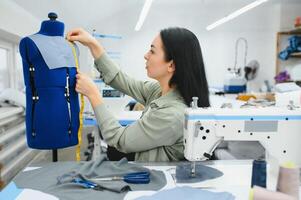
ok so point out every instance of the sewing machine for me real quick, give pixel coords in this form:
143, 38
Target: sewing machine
278, 129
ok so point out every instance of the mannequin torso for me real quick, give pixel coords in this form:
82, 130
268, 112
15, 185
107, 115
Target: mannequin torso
51, 115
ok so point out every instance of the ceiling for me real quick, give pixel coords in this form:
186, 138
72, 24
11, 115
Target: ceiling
93, 13
77, 12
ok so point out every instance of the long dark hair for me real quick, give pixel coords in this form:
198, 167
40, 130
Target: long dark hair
183, 47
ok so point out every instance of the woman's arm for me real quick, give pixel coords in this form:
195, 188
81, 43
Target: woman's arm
86, 39
112, 75
87, 87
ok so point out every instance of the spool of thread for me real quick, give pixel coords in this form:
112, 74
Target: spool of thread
288, 180
259, 193
259, 173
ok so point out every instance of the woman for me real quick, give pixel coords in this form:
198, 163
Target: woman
175, 61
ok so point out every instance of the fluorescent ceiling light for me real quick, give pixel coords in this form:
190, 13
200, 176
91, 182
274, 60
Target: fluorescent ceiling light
144, 11
235, 14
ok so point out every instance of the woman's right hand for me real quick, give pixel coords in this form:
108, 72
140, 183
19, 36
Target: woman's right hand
86, 39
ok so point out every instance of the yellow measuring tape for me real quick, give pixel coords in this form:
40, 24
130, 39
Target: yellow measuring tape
82, 106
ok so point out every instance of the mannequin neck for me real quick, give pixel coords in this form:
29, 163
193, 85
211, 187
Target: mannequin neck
52, 28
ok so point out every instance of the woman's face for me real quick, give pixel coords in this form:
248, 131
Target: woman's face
156, 66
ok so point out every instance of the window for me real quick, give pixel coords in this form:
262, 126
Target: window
19, 81
11, 69
4, 78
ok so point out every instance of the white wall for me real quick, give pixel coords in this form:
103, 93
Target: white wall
289, 12
15, 22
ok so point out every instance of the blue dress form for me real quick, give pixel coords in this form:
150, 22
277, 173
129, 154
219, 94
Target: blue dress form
52, 105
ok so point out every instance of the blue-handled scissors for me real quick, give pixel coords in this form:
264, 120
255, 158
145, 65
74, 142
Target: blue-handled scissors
134, 178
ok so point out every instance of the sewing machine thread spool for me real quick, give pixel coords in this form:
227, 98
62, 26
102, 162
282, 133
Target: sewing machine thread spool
288, 180
259, 193
259, 173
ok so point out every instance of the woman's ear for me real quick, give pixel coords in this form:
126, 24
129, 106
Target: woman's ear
171, 67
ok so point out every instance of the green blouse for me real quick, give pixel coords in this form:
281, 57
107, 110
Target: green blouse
158, 134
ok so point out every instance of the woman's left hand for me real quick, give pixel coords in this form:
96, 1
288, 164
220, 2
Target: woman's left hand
87, 87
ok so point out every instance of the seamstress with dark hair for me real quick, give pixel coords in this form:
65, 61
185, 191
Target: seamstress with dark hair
175, 62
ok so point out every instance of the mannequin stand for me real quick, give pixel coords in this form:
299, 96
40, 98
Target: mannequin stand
54, 155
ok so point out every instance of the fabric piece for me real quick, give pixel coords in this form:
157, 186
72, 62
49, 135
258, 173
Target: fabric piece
202, 173
10, 192
180, 193
55, 50
260, 193
294, 46
159, 131
282, 77
45, 179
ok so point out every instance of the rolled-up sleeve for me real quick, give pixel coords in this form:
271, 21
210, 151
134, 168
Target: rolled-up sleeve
159, 127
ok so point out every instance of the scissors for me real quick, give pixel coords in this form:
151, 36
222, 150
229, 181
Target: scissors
78, 179
134, 178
